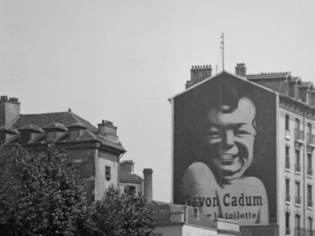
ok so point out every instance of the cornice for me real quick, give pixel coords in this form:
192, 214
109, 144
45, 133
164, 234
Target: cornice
297, 107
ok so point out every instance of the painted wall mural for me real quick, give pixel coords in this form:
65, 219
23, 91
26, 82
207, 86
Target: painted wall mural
225, 150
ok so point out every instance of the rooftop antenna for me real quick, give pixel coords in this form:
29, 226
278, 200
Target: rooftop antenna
222, 47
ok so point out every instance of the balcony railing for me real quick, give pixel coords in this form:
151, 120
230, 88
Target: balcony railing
311, 139
287, 164
287, 198
310, 171
310, 203
298, 200
298, 134
297, 168
304, 232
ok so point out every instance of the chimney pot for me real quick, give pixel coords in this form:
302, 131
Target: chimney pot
9, 113
128, 165
240, 69
199, 73
107, 129
148, 184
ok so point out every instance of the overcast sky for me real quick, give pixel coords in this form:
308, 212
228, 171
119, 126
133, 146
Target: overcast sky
122, 60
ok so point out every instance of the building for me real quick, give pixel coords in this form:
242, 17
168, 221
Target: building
95, 151
134, 183
182, 220
252, 137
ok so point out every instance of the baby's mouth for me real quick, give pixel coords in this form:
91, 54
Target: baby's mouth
227, 159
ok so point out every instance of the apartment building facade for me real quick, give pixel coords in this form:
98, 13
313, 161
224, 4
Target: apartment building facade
273, 118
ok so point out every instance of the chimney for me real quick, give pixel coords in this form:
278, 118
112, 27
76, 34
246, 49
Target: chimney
148, 184
107, 129
128, 165
240, 69
198, 74
9, 110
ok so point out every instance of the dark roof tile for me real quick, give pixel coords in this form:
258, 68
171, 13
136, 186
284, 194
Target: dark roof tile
60, 120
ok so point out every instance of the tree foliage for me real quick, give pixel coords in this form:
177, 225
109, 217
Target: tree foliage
120, 214
40, 193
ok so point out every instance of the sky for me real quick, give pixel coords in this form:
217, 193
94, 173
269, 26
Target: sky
121, 60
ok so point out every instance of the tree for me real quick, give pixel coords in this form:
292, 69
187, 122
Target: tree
120, 214
40, 193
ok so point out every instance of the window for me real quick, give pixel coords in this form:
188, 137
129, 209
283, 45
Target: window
74, 134
310, 225
287, 190
107, 172
51, 136
287, 223
2, 136
297, 124
297, 225
309, 196
77, 167
309, 133
297, 193
287, 157
297, 160
287, 186
309, 164
25, 136
130, 190
287, 122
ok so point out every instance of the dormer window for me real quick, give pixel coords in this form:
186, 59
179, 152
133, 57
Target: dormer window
74, 134
6, 132
29, 132
51, 136
75, 131
53, 131
2, 137
25, 136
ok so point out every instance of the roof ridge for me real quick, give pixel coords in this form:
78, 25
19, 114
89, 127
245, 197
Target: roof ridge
80, 119
45, 113
75, 117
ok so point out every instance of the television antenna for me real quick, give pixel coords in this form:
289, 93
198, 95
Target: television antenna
222, 48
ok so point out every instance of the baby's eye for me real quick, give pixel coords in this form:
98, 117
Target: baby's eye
213, 134
240, 132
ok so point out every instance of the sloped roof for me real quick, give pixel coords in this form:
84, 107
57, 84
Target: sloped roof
46, 119
305, 84
8, 129
61, 121
55, 125
223, 73
276, 75
124, 175
31, 127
